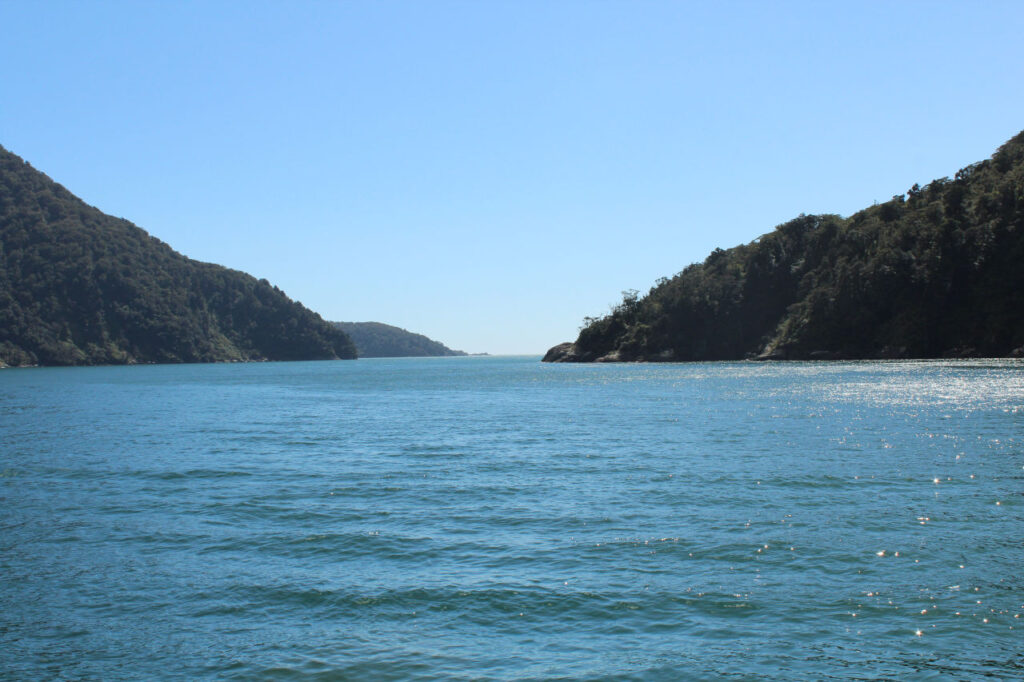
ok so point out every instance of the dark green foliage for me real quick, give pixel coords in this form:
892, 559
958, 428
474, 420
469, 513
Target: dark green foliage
939, 272
377, 340
80, 287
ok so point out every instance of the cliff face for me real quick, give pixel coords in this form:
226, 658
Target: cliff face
81, 287
936, 272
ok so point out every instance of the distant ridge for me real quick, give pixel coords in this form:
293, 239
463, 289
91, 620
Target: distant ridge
379, 340
79, 287
937, 272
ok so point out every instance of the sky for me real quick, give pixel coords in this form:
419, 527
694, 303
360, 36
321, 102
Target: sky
490, 173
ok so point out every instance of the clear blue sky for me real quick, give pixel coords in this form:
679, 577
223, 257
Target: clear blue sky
489, 173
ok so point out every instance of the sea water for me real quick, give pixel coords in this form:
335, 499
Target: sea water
499, 518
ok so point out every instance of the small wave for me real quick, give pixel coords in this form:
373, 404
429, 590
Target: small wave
190, 474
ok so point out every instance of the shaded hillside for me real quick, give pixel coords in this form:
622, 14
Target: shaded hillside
80, 287
938, 272
378, 340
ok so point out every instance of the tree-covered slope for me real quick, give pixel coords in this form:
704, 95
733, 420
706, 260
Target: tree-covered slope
938, 272
378, 340
80, 287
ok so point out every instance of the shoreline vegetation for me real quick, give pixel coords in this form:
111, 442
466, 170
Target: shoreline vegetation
932, 273
79, 287
379, 340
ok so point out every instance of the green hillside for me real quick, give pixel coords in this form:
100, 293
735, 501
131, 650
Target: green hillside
80, 287
937, 272
378, 340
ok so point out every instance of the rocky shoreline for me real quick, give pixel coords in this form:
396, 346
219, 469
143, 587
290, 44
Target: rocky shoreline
570, 352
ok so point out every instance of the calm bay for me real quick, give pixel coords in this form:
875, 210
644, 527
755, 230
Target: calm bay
499, 518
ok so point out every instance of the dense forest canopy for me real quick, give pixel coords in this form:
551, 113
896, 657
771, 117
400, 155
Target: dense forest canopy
378, 340
81, 287
935, 272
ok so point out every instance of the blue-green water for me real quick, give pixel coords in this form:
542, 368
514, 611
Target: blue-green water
498, 518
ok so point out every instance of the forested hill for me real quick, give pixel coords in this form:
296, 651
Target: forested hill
937, 272
378, 340
79, 287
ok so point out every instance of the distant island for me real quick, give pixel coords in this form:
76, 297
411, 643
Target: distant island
378, 340
935, 272
79, 287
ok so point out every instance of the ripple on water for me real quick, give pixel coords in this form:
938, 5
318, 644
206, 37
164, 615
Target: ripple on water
504, 519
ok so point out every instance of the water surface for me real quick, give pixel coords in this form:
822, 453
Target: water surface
497, 518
